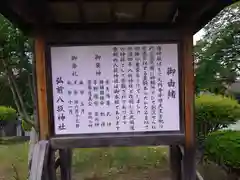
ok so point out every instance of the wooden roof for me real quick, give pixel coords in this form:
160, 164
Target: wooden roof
82, 14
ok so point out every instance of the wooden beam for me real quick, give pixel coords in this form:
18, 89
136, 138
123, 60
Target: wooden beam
111, 26
116, 140
189, 87
41, 88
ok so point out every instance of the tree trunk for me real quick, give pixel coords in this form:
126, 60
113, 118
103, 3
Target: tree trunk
31, 88
16, 94
27, 118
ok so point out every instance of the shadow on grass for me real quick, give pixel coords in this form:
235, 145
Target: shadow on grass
13, 140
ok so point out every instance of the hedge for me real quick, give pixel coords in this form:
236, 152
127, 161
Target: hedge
214, 112
223, 148
7, 114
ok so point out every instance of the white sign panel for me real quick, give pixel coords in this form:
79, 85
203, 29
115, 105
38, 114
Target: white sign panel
111, 89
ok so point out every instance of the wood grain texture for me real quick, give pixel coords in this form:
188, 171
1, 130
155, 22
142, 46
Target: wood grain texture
189, 162
189, 87
117, 141
41, 88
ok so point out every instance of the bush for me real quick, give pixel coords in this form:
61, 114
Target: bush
7, 114
223, 148
214, 112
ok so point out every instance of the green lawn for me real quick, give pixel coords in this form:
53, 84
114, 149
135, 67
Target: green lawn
13, 154
105, 163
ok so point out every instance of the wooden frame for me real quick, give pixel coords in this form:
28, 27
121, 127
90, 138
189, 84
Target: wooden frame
114, 139
184, 138
50, 94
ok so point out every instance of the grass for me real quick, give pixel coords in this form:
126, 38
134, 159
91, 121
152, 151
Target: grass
96, 164
13, 154
111, 162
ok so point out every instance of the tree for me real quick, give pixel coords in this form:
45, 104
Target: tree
16, 68
217, 55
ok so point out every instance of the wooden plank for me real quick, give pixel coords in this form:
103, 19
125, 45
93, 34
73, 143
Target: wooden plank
39, 157
119, 140
34, 162
106, 26
43, 152
41, 88
113, 36
32, 142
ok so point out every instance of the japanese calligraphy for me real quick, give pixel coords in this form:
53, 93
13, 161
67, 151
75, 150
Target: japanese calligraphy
60, 104
74, 65
159, 86
98, 64
131, 98
171, 83
115, 88
117, 82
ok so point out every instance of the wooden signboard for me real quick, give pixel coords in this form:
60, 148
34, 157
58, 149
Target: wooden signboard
118, 88
115, 94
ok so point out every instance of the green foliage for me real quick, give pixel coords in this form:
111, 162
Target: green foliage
17, 50
217, 55
7, 114
26, 126
223, 148
213, 112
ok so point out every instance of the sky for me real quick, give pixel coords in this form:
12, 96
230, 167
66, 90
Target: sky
197, 36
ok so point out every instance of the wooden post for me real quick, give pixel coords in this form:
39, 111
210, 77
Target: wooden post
65, 163
51, 165
189, 164
41, 88
175, 162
